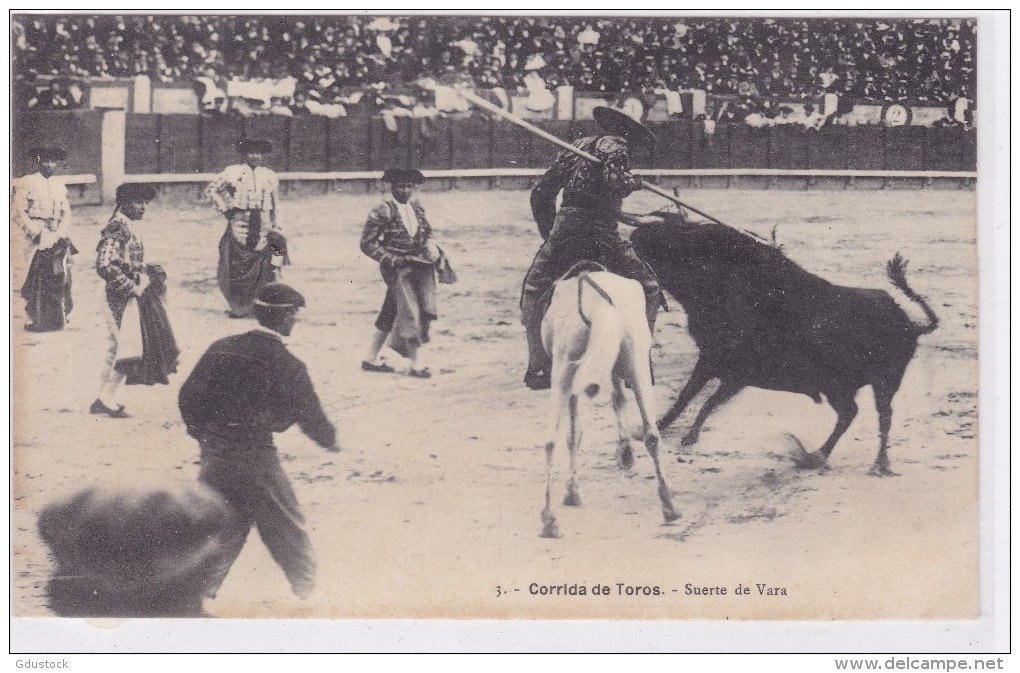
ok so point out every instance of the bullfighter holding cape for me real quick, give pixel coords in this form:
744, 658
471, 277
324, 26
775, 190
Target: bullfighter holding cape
141, 347
41, 210
253, 247
399, 237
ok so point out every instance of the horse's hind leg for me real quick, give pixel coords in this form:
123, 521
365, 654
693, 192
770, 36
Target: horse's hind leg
669, 512
562, 379
573, 497
642, 381
549, 526
624, 452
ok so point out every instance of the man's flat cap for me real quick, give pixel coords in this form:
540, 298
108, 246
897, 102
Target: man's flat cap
279, 295
135, 192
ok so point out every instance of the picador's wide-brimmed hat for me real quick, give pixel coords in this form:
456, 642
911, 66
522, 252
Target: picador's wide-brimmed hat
411, 175
135, 192
49, 153
619, 124
248, 146
279, 295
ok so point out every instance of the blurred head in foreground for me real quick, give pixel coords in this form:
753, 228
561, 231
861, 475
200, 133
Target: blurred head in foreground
133, 552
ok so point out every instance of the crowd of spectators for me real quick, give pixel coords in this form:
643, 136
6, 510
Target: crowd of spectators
926, 61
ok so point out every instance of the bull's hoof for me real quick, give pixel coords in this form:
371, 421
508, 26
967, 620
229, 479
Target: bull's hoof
572, 499
690, 439
625, 458
669, 516
810, 461
882, 471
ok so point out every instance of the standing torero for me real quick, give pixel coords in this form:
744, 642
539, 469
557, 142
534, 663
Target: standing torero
253, 247
43, 214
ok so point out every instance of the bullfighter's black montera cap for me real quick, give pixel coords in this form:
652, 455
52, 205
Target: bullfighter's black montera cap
135, 192
412, 175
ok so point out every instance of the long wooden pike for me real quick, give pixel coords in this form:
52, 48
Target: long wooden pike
510, 117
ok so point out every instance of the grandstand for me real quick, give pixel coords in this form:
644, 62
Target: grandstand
730, 97
890, 60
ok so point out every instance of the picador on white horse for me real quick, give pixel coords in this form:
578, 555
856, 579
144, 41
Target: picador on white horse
585, 227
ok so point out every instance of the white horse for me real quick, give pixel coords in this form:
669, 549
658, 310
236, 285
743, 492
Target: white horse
597, 333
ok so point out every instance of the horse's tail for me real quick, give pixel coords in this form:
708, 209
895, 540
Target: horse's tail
605, 335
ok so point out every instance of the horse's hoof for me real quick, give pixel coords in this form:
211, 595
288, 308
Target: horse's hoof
689, 440
572, 500
881, 471
670, 517
626, 459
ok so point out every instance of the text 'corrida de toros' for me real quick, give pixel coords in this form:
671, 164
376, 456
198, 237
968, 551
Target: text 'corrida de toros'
617, 589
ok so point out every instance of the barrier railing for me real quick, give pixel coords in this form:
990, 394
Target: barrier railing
170, 149
173, 178
732, 176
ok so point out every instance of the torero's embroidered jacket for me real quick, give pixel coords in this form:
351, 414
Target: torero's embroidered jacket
41, 210
252, 190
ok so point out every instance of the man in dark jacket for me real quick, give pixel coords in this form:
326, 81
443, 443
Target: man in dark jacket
593, 194
245, 388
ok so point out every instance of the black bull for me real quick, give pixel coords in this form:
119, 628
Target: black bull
760, 320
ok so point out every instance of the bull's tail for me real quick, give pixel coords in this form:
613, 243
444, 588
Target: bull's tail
605, 336
896, 270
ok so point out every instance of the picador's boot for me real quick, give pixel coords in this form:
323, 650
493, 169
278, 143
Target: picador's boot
539, 374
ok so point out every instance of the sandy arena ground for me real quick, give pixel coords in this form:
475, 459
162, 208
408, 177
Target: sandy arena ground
432, 509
